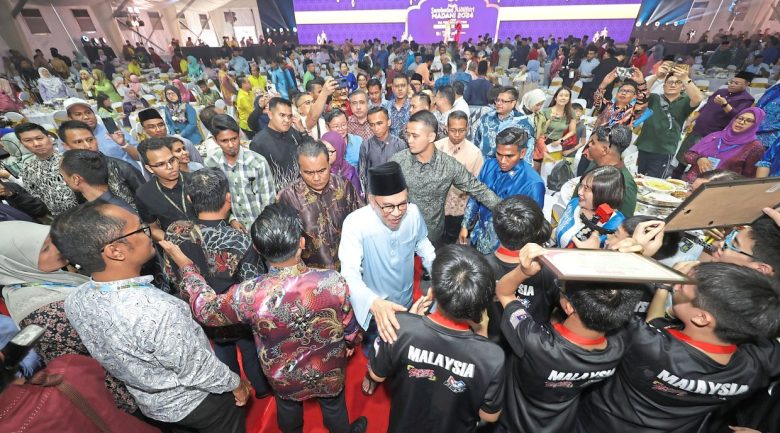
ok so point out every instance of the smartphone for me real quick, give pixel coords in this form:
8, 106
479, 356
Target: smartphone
110, 125
623, 73
4, 154
21, 344
342, 82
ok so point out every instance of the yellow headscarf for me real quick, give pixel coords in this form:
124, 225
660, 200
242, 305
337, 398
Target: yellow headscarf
87, 84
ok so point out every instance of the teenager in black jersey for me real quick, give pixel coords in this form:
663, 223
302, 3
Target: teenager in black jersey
518, 220
444, 374
671, 377
553, 363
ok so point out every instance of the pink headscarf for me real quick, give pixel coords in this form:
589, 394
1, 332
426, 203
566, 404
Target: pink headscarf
185, 93
135, 84
730, 142
337, 141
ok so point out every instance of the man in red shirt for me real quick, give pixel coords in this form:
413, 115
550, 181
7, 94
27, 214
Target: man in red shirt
640, 60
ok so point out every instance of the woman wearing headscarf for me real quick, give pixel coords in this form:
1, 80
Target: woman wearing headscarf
103, 85
50, 87
180, 117
131, 103
338, 165
8, 99
135, 85
194, 70
34, 290
119, 85
769, 133
87, 83
531, 105
186, 96
736, 148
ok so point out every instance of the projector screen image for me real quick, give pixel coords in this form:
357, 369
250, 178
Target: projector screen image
430, 21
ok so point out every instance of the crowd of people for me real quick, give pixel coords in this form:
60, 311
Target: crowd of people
384, 198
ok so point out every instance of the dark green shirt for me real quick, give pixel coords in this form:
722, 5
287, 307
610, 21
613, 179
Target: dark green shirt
628, 205
661, 132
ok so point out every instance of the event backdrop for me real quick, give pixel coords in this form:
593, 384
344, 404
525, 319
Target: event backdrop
428, 21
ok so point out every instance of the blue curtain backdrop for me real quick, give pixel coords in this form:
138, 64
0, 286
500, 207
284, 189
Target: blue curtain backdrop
276, 14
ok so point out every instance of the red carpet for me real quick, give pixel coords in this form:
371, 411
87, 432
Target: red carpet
261, 416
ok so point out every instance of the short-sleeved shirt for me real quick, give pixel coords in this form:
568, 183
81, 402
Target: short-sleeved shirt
164, 205
439, 377
661, 132
549, 373
665, 385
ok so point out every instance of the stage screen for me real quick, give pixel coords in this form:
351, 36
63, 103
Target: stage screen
428, 21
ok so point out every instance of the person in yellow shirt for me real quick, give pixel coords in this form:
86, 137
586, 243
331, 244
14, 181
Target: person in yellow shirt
134, 68
245, 103
257, 79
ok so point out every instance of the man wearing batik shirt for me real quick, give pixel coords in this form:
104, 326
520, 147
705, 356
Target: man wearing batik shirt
358, 121
252, 185
41, 175
399, 107
323, 200
445, 375
672, 376
301, 317
554, 362
224, 256
141, 335
500, 118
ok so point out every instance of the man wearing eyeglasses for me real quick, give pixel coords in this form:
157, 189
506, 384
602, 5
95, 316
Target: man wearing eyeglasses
716, 114
154, 346
465, 152
163, 199
755, 246
154, 127
503, 116
662, 131
606, 147
377, 253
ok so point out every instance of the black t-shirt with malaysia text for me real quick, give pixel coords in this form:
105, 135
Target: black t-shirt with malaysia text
666, 385
439, 378
548, 373
539, 295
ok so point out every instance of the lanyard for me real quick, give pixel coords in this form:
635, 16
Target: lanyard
720, 142
105, 288
183, 208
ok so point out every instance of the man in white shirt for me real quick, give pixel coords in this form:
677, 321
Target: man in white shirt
758, 67
460, 104
377, 253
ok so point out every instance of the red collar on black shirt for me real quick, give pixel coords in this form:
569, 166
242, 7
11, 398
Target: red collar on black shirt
439, 319
719, 349
577, 339
504, 251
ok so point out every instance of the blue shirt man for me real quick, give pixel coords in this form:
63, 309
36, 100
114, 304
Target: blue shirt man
506, 175
352, 153
493, 121
279, 78
239, 64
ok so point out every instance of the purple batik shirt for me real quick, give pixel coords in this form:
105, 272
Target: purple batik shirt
712, 118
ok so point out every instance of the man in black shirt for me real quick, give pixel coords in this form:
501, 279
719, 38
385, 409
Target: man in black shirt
553, 363
518, 220
445, 375
278, 142
162, 200
86, 173
224, 256
123, 179
670, 377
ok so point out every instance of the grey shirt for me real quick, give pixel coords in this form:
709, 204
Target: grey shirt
430, 182
148, 339
374, 152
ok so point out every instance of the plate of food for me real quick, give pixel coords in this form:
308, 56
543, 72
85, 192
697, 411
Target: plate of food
658, 185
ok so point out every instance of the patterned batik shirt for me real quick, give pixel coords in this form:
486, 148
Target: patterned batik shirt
147, 339
490, 125
399, 117
42, 179
302, 321
322, 214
